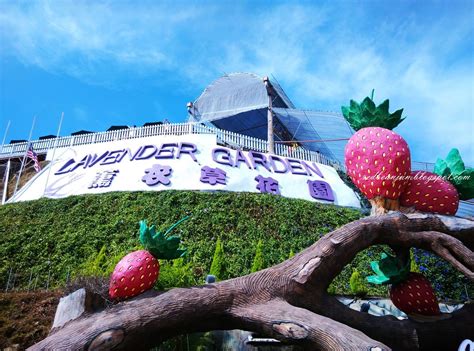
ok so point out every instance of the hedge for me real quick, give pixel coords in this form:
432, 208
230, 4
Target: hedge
63, 238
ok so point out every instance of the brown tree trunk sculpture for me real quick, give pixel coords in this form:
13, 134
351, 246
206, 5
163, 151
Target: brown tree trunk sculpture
289, 301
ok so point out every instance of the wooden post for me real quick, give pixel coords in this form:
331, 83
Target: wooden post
271, 143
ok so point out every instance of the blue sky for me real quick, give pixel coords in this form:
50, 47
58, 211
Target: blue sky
119, 62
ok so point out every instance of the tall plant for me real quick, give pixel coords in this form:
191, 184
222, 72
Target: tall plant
258, 263
217, 265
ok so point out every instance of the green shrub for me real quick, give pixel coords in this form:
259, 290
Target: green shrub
176, 273
258, 263
413, 265
332, 289
217, 265
94, 265
357, 284
291, 254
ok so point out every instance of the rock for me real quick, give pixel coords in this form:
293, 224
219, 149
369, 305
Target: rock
74, 305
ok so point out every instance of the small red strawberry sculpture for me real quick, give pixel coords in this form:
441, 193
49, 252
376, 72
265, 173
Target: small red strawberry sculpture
139, 270
427, 192
440, 192
415, 296
410, 292
377, 159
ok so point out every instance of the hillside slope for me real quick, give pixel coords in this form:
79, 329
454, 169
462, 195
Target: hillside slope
46, 242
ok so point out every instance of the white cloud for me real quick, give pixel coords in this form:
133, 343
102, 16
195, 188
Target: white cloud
84, 39
80, 114
415, 65
323, 55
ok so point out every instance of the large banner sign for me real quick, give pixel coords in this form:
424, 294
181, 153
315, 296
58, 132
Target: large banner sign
187, 162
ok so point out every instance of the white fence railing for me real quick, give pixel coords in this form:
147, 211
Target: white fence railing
422, 166
224, 137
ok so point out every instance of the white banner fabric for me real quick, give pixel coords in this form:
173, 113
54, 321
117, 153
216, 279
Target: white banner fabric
186, 162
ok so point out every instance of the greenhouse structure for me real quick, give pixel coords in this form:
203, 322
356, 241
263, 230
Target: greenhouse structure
239, 102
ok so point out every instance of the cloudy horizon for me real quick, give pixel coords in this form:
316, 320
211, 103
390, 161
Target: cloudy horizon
106, 63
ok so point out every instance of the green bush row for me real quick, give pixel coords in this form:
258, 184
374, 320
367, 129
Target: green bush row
88, 235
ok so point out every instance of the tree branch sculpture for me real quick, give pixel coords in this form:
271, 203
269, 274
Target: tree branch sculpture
289, 301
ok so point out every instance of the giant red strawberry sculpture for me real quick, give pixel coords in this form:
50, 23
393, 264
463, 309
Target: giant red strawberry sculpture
427, 192
377, 159
138, 270
440, 192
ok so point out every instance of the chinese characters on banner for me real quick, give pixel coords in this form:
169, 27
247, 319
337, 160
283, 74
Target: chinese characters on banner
267, 185
213, 176
320, 190
103, 179
160, 174
157, 174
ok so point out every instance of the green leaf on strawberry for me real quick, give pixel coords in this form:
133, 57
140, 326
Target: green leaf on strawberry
380, 277
367, 114
464, 183
382, 109
441, 168
354, 106
388, 270
161, 245
455, 171
455, 162
368, 105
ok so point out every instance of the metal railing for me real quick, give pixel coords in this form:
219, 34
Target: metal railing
14, 279
422, 166
224, 137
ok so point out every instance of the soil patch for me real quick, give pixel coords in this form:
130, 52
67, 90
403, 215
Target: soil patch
26, 317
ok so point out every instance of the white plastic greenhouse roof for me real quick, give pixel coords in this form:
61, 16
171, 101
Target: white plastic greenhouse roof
238, 102
311, 126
